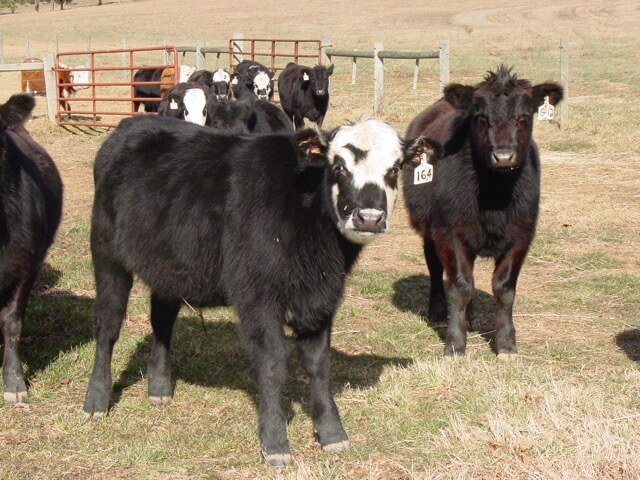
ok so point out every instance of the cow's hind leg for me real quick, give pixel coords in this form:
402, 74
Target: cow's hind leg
298, 122
163, 316
505, 277
113, 285
266, 346
313, 352
437, 298
11, 317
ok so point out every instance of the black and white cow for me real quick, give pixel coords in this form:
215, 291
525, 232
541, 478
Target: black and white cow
247, 116
252, 78
480, 199
218, 81
30, 209
304, 92
270, 224
187, 101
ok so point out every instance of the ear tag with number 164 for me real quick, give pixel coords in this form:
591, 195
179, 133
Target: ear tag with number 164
424, 172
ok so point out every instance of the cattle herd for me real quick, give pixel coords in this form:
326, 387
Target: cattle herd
241, 205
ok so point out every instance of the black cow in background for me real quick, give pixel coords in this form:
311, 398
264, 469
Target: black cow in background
147, 91
247, 116
30, 210
270, 224
252, 78
480, 199
304, 92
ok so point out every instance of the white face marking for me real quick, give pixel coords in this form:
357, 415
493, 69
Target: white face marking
194, 106
262, 82
382, 149
221, 76
185, 72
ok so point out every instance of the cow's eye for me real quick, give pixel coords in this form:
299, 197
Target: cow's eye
338, 168
482, 119
523, 120
394, 170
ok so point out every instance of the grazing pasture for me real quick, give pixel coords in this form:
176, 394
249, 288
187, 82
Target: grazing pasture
568, 408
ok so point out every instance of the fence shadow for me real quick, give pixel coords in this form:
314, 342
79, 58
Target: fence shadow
411, 294
629, 342
213, 356
55, 322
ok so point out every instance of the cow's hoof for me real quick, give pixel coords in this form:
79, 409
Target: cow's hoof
507, 357
277, 460
336, 447
94, 417
162, 401
16, 398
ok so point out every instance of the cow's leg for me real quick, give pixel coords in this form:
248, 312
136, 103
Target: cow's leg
298, 122
458, 264
163, 316
505, 277
313, 352
11, 316
437, 298
320, 120
113, 285
266, 347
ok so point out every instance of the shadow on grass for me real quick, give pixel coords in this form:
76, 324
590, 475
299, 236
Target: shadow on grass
55, 322
213, 356
411, 294
629, 342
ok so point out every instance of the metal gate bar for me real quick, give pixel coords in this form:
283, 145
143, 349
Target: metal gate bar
271, 50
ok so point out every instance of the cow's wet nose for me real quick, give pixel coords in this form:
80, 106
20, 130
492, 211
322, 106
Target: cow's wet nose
370, 220
503, 157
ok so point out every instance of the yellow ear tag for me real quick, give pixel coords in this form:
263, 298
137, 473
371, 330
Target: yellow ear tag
546, 110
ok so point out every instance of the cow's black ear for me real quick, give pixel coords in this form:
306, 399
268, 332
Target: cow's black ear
311, 148
17, 110
271, 73
422, 148
458, 95
552, 90
330, 69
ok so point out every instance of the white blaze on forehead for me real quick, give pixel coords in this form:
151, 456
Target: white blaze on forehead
221, 76
261, 81
194, 104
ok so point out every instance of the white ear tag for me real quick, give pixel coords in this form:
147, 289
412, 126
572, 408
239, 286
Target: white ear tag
305, 77
173, 105
424, 172
234, 81
546, 110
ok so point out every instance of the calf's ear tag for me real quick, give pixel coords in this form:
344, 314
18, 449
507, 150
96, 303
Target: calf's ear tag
305, 77
546, 110
424, 172
234, 81
173, 105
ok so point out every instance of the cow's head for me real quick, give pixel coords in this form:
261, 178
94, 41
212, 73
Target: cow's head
364, 160
16, 111
501, 110
232, 116
220, 84
195, 106
261, 85
317, 78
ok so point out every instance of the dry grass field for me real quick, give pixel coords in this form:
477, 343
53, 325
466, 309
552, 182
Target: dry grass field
569, 408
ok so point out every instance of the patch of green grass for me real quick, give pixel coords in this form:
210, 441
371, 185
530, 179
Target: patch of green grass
596, 260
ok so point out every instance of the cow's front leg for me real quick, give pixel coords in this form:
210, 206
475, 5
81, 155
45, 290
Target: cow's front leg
314, 355
458, 263
267, 350
505, 277
11, 315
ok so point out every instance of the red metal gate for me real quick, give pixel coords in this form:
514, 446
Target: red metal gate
110, 87
269, 51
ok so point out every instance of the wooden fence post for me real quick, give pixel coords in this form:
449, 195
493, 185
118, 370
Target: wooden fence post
26, 47
201, 62
50, 85
325, 42
353, 70
415, 74
1, 50
444, 65
564, 81
56, 45
237, 48
378, 79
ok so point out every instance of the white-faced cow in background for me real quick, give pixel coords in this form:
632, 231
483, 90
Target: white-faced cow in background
270, 224
304, 92
252, 78
186, 101
30, 210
